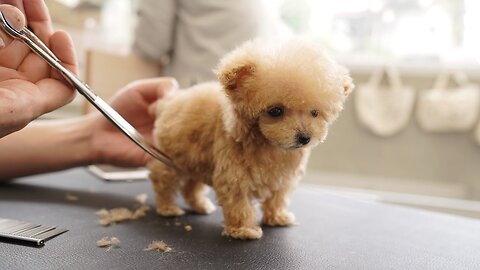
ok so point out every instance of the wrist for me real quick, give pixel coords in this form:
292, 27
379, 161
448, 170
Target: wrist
46, 146
79, 133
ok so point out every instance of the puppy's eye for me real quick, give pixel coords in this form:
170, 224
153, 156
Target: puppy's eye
314, 113
275, 111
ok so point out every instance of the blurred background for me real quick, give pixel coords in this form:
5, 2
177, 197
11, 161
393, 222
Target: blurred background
434, 164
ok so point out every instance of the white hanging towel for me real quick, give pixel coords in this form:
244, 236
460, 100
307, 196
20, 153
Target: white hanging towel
385, 110
449, 110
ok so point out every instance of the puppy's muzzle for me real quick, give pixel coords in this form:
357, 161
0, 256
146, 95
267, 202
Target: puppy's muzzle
303, 138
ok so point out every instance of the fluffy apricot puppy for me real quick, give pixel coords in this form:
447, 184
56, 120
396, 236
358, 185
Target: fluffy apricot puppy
249, 135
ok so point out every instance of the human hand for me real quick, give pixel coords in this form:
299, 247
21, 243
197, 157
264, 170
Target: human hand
28, 86
136, 103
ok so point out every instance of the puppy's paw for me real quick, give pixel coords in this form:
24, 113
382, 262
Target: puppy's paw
243, 233
281, 218
170, 211
204, 207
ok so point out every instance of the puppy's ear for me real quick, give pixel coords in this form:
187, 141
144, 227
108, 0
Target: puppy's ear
348, 85
233, 77
237, 67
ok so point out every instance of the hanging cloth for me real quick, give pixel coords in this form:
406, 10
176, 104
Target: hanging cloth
443, 109
384, 110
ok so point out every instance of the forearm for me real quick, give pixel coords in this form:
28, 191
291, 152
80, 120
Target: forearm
46, 146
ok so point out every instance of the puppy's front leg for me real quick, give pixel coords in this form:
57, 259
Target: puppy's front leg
240, 221
274, 209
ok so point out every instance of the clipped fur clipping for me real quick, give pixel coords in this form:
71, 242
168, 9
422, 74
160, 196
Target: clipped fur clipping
140, 212
117, 215
114, 215
108, 242
158, 246
71, 197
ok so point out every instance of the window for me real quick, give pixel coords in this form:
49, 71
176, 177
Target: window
424, 31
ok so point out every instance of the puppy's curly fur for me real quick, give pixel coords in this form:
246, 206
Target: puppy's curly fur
249, 136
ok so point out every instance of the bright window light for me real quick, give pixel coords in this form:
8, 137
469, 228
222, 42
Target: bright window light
411, 30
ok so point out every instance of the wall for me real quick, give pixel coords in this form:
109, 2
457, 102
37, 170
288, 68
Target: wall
424, 161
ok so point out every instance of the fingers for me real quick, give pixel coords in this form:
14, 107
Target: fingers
16, 3
35, 68
38, 19
145, 160
15, 18
62, 46
12, 52
55, 94
155, 88
152, 109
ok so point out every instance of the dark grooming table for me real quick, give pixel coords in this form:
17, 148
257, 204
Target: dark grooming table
333, 233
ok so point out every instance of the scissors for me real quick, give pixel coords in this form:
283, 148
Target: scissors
36, 45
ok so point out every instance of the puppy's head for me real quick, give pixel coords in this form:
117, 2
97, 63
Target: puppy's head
292, 91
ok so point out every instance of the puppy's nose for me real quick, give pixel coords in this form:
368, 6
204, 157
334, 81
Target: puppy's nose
303, 138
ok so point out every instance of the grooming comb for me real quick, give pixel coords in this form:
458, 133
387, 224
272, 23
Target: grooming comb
27, 232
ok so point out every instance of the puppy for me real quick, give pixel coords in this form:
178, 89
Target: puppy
249, 135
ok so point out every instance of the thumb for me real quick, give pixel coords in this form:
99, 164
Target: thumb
62, 45
152, 109
15, 18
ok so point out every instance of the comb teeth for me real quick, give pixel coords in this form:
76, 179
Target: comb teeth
29, 232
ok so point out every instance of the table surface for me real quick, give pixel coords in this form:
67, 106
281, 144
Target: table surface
334, 232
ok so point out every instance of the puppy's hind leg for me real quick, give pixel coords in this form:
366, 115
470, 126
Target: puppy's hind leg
165, 184
194, 193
